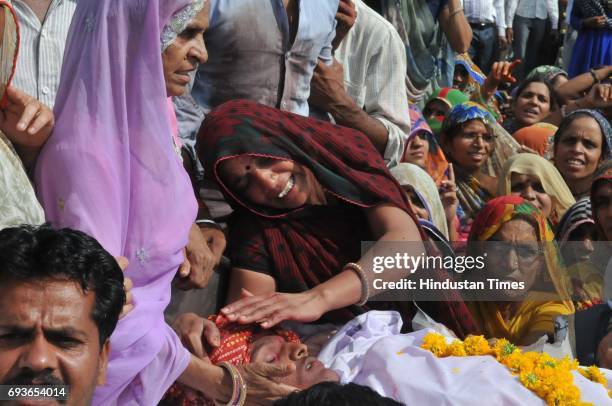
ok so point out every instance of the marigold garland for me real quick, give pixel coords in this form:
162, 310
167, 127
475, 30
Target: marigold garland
594, 374
549, 378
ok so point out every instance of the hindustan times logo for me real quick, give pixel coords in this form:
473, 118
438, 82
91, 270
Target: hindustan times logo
411, 263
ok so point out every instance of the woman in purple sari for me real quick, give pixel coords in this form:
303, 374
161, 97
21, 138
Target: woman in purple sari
111, 169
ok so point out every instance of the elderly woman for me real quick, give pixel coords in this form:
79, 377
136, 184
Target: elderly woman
422, 148
537, 181
582, 142
111, 170
516, 234
307, 193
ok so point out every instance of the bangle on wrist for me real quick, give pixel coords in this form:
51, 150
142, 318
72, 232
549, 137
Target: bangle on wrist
365, 290
239, 388
455, 12
209, 223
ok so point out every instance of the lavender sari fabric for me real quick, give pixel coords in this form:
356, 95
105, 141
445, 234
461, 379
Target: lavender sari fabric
110, 170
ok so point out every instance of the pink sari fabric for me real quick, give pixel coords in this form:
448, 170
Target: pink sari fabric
110, 170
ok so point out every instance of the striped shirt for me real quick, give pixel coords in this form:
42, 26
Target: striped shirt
541, 9
373, 57
487, 12
41, 49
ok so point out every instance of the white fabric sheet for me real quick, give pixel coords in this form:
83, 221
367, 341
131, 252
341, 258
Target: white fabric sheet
370, 351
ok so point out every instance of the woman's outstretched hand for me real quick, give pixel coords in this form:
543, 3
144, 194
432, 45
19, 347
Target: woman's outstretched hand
270, 309
26, 122
200, 261
192, 329
501, 72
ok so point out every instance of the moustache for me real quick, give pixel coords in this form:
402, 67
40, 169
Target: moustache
29, 377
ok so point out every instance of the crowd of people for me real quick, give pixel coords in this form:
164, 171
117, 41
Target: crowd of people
259, 154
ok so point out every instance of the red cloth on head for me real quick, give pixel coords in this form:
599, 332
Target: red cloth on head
538, 137
234, 348
236, 340
307, 246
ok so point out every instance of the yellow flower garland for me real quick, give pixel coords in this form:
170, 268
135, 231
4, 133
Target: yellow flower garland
549, 378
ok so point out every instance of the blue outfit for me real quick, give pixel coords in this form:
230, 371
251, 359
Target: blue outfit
593, 47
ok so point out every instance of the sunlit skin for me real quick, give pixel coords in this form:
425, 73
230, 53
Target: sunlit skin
602, 210
471, 146
530, 188
518, 258
578, 153
48, 337
435, 108
308, 370
182, 57
558, 81
271, 182
533, 104
417, 150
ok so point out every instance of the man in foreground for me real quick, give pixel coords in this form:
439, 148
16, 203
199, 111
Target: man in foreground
61, 295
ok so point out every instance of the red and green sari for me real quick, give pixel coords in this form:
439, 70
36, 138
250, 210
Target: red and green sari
304, 247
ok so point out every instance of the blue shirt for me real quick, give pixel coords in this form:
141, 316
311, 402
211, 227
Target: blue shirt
250, 55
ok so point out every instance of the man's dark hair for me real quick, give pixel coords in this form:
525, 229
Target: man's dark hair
30, 253
335, 394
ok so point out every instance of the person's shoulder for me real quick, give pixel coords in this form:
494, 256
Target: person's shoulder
322, 7
373, 19
374, 29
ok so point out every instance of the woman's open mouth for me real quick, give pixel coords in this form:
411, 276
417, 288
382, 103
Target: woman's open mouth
531, 113
575, 163
477, 156
288, 187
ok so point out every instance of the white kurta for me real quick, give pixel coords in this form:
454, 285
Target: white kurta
370, 351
